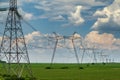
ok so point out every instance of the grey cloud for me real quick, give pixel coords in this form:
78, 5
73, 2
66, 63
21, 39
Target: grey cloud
108, 27
108, 19
105, 1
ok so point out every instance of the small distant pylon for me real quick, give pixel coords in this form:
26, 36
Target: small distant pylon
13, 47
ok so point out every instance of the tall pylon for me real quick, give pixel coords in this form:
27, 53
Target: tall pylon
72, 38
13, 47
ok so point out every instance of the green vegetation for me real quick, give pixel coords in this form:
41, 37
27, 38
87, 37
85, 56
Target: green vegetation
14, 77
2, 61
75, 72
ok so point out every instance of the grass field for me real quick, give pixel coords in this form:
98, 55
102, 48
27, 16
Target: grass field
73, 72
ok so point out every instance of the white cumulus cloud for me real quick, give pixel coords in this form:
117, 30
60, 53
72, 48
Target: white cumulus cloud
103, 41
69, 9
26, 15
108, 18
30, 37
75, 17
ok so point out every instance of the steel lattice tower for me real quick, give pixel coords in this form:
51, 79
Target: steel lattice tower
13, 47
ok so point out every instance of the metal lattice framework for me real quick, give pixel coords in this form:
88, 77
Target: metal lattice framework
13, 47
57, 38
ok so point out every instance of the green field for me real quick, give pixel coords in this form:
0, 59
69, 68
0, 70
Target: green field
73, 72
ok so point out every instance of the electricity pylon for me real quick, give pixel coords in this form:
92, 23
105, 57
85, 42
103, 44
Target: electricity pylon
13, 47
72, 38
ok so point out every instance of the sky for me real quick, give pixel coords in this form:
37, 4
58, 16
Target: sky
96, 23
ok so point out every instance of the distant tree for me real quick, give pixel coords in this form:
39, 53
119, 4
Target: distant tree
2, 61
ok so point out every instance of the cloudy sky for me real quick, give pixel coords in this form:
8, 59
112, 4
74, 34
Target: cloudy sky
96, 22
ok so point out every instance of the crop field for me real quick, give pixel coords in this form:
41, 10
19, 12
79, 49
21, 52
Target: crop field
76, 72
